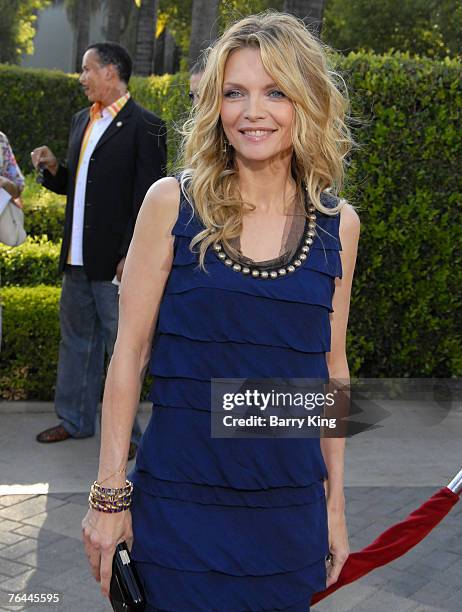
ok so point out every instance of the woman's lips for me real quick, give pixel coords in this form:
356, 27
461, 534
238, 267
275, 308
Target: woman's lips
256, 135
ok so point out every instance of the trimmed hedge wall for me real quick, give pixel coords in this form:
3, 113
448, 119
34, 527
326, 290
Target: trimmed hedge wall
30, 342
405, 180
35, 262
43, 210
36, 107
29, 356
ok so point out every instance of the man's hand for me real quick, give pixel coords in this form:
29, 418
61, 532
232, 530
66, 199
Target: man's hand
44, 157
120, 269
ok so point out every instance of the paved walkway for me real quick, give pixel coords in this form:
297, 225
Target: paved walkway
44, 490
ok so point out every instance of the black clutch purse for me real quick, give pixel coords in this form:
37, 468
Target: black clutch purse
125, 591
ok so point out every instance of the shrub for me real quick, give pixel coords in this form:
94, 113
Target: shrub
43, 211
407, 181
35, 262
30, 342
36, 109
29, 356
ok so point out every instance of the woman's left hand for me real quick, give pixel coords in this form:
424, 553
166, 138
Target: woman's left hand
10, 187
338, 544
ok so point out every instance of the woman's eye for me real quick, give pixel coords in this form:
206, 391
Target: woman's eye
277, 94
231, 94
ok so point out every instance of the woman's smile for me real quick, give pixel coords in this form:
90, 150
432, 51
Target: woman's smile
256, 134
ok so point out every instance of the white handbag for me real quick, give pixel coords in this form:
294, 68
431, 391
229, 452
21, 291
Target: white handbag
12, 232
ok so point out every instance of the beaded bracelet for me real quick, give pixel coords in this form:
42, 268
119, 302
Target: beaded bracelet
111, 491
110, 499
107, 506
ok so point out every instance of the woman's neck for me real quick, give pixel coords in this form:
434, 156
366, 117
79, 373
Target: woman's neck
270, 188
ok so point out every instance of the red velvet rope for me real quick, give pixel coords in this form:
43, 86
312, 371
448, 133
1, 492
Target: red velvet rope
395, 541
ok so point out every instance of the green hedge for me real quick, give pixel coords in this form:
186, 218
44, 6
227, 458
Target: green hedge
29, 356
33, 263
30, 342
406, 180
36, 108
43, 211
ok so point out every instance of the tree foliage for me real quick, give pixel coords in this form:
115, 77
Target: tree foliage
232, 10
17, 27
177, 17
421, 27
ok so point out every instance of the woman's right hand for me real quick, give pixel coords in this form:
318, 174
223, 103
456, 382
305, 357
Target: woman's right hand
101, 532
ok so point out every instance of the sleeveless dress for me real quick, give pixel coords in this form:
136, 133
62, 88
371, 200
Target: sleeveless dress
233, 524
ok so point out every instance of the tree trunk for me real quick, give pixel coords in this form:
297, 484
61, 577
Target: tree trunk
203, 27
169, 53
311, 11
8, 31
159, 54
146, 38
114, 20
82, 38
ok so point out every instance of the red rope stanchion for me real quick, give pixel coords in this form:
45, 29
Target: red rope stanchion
398, 539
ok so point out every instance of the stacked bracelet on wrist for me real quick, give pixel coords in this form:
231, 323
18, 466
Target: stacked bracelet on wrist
110, 499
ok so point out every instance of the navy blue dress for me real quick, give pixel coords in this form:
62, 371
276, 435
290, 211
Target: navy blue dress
235, 524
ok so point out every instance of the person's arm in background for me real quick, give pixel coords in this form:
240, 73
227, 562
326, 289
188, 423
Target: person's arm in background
56, 180
11, 178
151, 163
333, 449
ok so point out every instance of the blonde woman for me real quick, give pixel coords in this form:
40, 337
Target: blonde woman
235, 271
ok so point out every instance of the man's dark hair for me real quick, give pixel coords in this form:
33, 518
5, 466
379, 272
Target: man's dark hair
197, 68
115, 54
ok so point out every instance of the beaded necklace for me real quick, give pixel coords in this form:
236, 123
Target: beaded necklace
300, 256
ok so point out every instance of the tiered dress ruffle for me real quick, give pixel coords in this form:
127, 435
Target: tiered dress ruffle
233, 524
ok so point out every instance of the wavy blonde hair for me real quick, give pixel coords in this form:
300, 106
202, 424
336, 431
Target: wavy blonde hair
298, 63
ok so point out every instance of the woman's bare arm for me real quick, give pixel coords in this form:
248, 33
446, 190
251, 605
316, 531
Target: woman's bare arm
333, 449
147, 268
148, 265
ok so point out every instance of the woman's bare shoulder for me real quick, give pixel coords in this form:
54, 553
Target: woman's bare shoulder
165, 191
349, 219
161, 203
